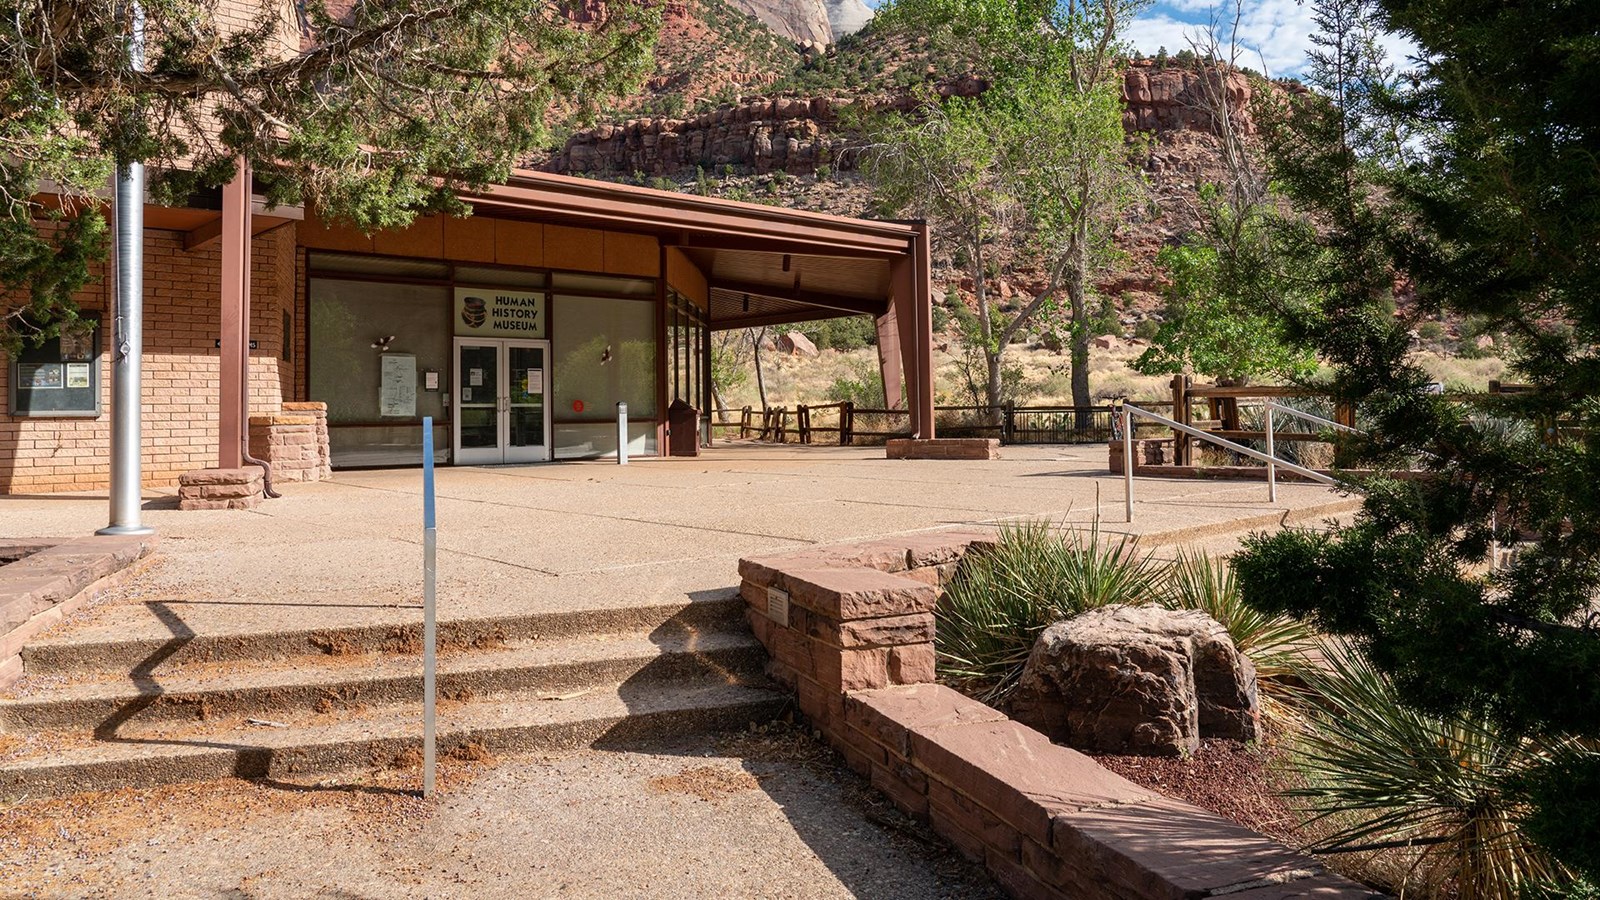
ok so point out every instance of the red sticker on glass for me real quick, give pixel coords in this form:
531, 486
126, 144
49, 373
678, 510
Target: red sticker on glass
577, 406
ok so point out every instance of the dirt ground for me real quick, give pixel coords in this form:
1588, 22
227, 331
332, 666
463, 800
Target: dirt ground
768, 813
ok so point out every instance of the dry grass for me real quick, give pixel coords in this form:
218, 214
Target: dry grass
792, 380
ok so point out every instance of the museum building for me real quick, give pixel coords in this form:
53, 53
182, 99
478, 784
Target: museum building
517, 329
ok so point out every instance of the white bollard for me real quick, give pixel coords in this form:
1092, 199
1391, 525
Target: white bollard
622, 433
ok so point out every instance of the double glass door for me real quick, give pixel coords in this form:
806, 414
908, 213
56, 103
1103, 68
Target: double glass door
500, 390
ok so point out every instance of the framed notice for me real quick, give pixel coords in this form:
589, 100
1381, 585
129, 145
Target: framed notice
397, 390
61, 377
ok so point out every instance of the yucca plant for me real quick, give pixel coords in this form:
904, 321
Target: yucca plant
1002, 597
1274, 644
1442, 793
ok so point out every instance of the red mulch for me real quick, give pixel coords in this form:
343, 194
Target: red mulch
1232, 779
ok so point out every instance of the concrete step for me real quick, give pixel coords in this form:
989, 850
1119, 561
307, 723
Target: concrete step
112, 650
110, 705
346, 741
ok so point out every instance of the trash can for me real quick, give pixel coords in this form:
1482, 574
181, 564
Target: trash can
683, 427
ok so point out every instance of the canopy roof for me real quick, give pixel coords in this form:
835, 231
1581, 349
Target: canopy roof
765, 265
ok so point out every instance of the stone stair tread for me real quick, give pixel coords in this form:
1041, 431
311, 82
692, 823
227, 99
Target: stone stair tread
340, 740
116, 623
95, 645
356, 670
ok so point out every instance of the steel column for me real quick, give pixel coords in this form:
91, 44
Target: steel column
235, 283
128, 331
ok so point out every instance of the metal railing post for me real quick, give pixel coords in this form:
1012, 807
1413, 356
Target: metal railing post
1272, 465
430, 635
622, 433
1127, 460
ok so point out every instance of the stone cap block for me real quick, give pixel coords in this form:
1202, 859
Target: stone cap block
1318, 887
313, 406
244, 475
271, 419
857, 593
1165, 849
889, 714
1017, 774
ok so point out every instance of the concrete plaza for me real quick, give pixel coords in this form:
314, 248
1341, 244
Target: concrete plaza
594, 536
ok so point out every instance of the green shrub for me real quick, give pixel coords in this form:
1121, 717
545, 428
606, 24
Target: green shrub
1276, 645
1146, 329
1441, 792
1035, 575
845, 333
865, 389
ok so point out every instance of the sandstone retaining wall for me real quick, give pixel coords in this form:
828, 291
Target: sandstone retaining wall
850, 630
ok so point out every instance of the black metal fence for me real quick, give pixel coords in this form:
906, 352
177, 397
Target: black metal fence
849, 425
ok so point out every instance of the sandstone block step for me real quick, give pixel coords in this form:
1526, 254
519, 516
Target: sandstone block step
348, 741
200, 691
158, 634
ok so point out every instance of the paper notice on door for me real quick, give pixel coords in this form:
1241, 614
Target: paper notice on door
397, 391
475, 377
535, 381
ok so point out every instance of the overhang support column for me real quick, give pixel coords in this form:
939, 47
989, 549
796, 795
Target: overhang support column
911, 283
235, 284
889, 360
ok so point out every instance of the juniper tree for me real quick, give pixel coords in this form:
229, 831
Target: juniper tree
1493, 208
373, 112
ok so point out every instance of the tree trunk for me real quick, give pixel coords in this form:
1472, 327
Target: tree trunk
761, 384
1076, 293
720, 402
993, 352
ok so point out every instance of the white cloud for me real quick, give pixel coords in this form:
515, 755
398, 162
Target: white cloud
1273, 34
1152, 32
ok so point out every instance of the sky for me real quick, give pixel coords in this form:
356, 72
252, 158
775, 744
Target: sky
1273, 34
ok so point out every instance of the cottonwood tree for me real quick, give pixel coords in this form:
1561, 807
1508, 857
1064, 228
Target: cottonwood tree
1228, 282
1033, 172
373, 112
1492, 208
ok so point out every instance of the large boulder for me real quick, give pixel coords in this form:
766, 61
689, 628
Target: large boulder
1138, 679
796, 344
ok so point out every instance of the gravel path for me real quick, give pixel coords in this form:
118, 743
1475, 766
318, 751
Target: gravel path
763, 814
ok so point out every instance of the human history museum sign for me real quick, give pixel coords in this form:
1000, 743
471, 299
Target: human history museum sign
496, 313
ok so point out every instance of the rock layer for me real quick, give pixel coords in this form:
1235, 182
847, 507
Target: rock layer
797, 134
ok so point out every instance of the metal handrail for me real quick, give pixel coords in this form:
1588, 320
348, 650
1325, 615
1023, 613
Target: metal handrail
1313, 419
1273, 463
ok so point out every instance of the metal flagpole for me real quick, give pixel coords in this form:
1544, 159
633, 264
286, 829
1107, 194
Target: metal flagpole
128, 329
430, 549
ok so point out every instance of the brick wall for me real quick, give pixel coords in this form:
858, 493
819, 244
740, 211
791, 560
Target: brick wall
181, 388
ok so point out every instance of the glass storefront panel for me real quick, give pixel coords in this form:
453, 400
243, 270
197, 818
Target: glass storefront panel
594, 441
374, 417
604, 352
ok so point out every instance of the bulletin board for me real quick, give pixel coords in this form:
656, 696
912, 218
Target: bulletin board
60, 377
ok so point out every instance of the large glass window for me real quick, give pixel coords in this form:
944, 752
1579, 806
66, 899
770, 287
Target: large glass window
374, 418
686, 337
605, 352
